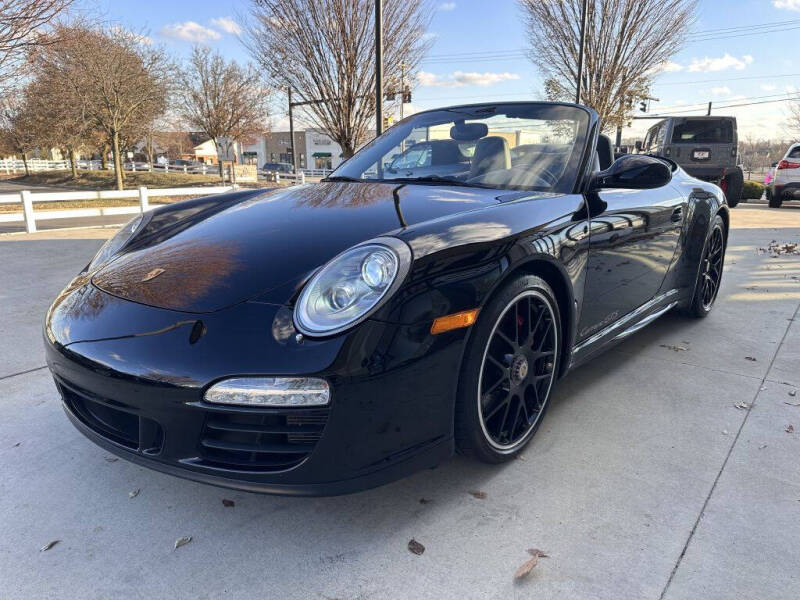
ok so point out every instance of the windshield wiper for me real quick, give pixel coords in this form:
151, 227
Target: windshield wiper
438, 179
342, 178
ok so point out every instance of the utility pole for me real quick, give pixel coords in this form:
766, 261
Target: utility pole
581, 50
378, 68
402, 87
709, 109
291, 133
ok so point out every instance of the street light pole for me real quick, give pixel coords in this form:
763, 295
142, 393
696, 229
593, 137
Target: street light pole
378, 68
581, 50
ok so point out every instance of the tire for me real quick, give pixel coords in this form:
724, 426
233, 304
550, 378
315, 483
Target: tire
774, 201
709, 271
734, 185
513, 359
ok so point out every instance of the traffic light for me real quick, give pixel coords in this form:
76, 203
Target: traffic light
643, 106
407, 97
387, 122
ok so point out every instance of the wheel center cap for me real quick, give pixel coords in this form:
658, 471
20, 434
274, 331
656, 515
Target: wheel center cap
519, 369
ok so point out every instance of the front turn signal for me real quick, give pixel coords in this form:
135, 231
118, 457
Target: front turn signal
457, 320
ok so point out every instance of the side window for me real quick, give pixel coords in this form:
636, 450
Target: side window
660, 135
794, 152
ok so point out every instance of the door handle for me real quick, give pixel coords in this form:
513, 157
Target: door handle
677, 214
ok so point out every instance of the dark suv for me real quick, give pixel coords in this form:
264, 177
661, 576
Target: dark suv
705, 147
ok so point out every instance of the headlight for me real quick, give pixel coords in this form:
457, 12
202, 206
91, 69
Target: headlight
116, 243
352, 286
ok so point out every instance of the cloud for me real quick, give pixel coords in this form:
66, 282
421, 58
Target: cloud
447, 6
721, 91
461, 79
228, 25
190, 32
669, 67
723, 63
787, 4
768, 87
430, 35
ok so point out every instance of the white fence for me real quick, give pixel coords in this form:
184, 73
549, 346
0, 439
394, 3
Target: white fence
11, 166
26, 199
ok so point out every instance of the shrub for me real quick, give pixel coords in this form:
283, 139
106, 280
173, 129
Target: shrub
752, 190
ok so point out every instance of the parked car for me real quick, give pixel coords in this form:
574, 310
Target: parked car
785, 181
705, 147
278, 167
327, 338
442, 157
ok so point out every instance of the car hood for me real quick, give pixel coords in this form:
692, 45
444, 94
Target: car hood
272, 242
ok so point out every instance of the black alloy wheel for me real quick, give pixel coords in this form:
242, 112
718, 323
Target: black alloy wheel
509, 371
709, 277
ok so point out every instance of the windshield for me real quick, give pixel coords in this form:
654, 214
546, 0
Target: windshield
530, 146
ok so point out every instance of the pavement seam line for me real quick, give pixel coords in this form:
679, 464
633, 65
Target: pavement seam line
727, 457
3, 377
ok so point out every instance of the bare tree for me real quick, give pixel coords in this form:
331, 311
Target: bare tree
60, 114
627, 41
18, 127
120, 82
21, 22
324, 51
222, 99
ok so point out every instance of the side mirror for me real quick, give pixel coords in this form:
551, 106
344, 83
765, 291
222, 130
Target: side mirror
634, 172
638, 145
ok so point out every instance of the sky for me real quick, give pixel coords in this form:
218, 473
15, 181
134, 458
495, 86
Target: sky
479, 55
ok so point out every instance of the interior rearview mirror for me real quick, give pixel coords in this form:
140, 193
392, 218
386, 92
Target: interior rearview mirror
633, 171
638, 145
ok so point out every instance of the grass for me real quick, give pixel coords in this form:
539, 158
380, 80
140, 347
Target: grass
104, 180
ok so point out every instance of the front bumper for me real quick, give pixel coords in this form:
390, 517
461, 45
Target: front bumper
140, 395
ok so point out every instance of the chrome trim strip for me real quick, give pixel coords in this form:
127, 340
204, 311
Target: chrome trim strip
644, 322
624, 321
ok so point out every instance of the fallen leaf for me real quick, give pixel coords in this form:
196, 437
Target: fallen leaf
17, 444
792, 393
520, 457
415, 547
182, 541
674, 348
152, 274
478, 494
724, 432
762, 446
537, 552
750, 358
742, 405
134, 493
110, 458
228, 503
425, 500
790, 429
526, 567
763, 388
48, 545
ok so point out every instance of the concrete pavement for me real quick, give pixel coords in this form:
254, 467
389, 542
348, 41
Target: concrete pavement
645, 480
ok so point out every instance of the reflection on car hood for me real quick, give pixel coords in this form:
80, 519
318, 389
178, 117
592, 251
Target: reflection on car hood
273, 240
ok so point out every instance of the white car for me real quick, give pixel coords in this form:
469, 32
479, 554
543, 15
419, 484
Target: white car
785, 184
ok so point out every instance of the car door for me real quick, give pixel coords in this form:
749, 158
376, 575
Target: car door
633, 236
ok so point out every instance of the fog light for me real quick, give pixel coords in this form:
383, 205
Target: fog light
270, 391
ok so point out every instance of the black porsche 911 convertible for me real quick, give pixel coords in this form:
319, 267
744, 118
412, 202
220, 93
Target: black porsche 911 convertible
326, 338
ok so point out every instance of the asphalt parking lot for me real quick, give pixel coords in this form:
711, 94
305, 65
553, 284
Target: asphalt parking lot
664, 469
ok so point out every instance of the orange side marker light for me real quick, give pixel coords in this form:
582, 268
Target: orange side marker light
457, 320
